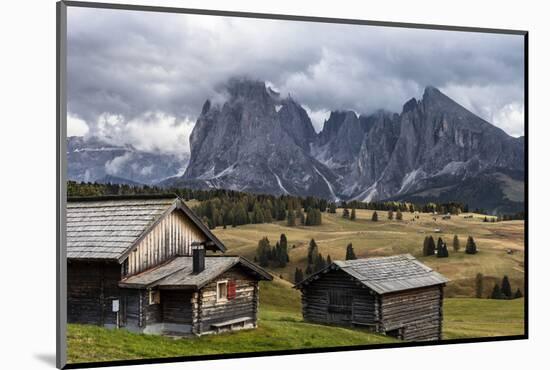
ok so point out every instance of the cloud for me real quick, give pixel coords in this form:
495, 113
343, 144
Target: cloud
76, 126
114, 166
153, 71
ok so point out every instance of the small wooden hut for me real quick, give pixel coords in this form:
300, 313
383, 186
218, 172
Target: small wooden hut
396, 295
140, 262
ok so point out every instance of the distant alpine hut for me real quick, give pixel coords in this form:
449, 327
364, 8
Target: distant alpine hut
140, 263
396, 295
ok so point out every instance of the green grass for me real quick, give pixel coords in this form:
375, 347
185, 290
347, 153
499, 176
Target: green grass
281, 327
477, 318
385, 237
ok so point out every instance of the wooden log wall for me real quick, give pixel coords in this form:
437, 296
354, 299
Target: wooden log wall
176, 306
91, 287
415, 314
208, 311
318, 301
171, 236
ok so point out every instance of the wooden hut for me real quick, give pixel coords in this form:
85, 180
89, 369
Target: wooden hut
396, 295
140, 262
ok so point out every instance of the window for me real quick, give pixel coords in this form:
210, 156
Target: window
154, 297
221, 291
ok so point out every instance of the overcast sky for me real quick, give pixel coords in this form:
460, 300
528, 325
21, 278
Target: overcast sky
141, 78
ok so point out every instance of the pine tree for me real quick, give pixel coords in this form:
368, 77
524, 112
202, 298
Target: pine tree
332, 208
399, 216
426, 246
431, 246
309, 270
439, 249
319, 263
471, 247
390, 215
282, 257
375, 216
352, 216
291, 218
479, 285
312, 252
496, 294
345, 213
350, 253
506, 289
263, 251
329, 260
444, 251
518, 294
298, 275
456, 244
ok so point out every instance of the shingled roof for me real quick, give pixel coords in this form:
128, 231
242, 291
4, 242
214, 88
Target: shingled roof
108, 227
385, 274
178, 273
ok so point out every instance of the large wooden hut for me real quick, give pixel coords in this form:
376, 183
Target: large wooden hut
396, 295
141, 263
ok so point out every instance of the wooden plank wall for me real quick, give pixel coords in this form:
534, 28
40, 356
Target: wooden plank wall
171, 236
176, 306
315, 301
208, 311
91, 286
418, 312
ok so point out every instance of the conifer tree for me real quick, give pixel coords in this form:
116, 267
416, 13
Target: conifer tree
345, 213
312, 252
263, 251
332, 208
518, 294
350, 253
426, 247
399, 216
431, 246
390, 214
471, 247
329, 260
319, 263
496, 294
505, 287
309, 269
479, 285
375, 216
456, 244
352, 216
439, 249
291, 218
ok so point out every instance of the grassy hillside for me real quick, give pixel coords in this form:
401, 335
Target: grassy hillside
281, 327
387, 237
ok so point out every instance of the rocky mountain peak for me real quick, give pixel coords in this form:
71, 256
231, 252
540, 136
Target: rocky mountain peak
246, 88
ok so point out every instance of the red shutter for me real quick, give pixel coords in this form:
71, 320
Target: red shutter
231, 289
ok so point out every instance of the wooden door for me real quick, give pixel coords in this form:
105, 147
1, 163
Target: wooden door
339, 308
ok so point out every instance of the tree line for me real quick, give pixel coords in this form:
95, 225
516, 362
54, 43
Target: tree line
316, 262
440, 250
274, 256
502, 291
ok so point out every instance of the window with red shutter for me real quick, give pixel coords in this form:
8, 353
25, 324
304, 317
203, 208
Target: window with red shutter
231, 289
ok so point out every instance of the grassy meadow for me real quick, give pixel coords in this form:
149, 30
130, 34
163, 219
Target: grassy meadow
388, 237
281, 327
